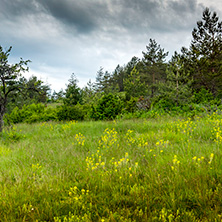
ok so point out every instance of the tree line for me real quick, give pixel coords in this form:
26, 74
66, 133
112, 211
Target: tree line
190, 71
191, 76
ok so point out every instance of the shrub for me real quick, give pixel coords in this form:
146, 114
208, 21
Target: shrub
163, 103
108, 107
70, 112
31, 113
15, 116
130, 106
202, 96
49, 114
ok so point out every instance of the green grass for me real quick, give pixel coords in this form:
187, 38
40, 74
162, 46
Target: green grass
165, 169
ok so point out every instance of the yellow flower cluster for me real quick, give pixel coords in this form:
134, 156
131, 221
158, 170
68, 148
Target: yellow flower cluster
162, 143
199, 160
47, 125
211, 158
111, 167
77, 195
36, 167
80, 201
36, 170
214, 116
80, 139
69, 124
95, 161
119, 163
186, 126
176, 163
108, 139
142, 142
129, 137
217, 131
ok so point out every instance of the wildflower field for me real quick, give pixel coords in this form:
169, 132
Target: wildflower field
159, 169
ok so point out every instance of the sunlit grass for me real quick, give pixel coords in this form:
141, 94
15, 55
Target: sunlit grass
165, 169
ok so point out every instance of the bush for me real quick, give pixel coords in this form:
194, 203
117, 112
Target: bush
31, 113
108, 107
202, 96
39, 113
14, 117
130, 106
49, 114
163, 103
70, 112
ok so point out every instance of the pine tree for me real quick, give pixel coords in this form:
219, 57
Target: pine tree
73, 93
154, 59
177, 88
118, 77
133, 85
206, 52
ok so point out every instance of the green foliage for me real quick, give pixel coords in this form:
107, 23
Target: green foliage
9, 74
31, 113
189, 84
118, 77
133, 85
11, 135
57, 96
108, 107
71, 112
154, 65
30, 91
130, 105
88, 93
15, 116
206, 53
202, 96
176, 91
163, 102
73, 93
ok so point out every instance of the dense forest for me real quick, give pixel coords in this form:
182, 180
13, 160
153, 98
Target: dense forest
190, 82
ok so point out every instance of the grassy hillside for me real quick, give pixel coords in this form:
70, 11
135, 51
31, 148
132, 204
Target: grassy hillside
164, 169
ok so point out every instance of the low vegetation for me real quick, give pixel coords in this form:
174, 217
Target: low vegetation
158, 169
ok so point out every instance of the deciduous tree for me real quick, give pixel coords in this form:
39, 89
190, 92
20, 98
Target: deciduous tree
9, 74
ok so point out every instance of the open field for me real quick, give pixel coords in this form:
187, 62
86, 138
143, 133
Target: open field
163, 169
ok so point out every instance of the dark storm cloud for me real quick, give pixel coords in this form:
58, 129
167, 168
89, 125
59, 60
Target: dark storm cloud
99, 15
131, 15
80, 14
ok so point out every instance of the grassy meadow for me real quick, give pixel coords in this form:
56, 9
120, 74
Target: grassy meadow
160, 169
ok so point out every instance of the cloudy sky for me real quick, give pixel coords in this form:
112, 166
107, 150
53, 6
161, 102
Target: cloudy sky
62, 37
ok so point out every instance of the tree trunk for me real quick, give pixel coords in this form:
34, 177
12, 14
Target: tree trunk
152, 94
177, 88
2, 112
1, 122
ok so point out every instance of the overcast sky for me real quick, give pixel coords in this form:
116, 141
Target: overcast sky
62, 37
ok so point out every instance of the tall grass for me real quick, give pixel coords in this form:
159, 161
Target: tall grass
165, 169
